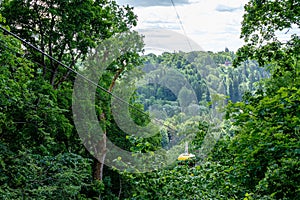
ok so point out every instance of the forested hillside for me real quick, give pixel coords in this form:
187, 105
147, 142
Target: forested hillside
209, 76
238, 111
206, 72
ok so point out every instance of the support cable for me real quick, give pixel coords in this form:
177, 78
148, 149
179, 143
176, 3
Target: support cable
181, 25
81, 76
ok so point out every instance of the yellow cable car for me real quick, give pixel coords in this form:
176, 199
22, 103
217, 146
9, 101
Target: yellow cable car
187, 157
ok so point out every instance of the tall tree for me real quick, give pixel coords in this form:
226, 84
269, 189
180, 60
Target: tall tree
263, 22
266, 144
33, 159
65, 29
69, 31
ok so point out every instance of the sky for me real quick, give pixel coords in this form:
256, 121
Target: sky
210, 25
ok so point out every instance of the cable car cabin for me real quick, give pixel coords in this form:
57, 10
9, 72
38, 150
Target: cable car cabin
187, 158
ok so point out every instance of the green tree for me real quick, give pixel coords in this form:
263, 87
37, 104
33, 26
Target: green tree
66, 30
36, 111
266, 142
35, 134
261, 24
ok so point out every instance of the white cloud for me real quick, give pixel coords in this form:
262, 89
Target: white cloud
149, 3
203, 23
225, 8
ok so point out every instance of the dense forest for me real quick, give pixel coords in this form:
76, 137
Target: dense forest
239, 112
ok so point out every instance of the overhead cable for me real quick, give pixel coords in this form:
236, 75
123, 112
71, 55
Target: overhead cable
181, 25
82, 76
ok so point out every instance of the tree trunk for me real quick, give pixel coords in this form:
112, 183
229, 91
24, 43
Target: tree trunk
101, 146
101, 154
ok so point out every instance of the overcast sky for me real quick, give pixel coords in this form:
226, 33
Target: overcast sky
212, 24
